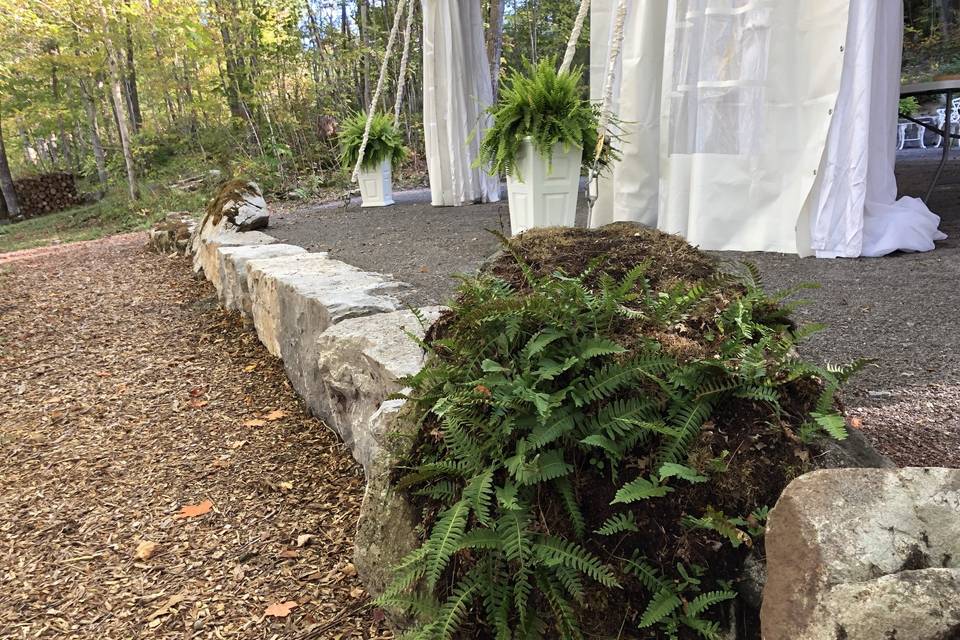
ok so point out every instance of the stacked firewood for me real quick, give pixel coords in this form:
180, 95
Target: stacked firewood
46, 193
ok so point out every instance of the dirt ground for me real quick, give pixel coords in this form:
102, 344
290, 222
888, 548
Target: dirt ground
902, 310
159, 477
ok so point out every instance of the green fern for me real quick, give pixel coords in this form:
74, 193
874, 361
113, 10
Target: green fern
385, 142
532, 386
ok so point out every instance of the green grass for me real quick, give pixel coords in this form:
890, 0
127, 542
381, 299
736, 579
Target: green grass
112, 215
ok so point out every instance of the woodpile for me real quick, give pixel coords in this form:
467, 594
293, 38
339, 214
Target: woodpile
46, 193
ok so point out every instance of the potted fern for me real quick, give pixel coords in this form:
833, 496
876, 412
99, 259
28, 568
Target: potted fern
384, 150
541, 126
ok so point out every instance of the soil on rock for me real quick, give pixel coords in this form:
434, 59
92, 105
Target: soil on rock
128, 407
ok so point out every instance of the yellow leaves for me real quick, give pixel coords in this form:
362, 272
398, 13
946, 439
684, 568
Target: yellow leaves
145, 550
281, 609
271, 416
250, 367
194, 510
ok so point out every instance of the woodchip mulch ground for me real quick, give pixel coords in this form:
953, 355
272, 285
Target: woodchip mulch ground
125, 396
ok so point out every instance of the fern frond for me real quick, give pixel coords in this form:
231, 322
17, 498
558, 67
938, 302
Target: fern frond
620, 523
553, 551
444, 540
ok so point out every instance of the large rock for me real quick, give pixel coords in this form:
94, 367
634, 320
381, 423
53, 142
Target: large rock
233, 261
387, 529
205, 257
231, 219
359, 363
864, 554
294, 299
241, 203
172, 234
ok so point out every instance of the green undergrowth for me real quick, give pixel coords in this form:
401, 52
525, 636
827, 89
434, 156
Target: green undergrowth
112, 215
604, 419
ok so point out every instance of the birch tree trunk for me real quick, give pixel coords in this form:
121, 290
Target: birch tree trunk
116, 92
95, 141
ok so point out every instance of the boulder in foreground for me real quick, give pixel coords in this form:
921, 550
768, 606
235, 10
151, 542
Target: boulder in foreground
865, 554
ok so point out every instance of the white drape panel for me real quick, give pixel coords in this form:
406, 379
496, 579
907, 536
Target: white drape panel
457, 90
746, 98
749, 90
630, 191
853, 209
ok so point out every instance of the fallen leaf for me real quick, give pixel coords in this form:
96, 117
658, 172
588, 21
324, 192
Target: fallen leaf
250, 367
221, 463
304, 539
289, 553
275, 415
198, 404
167, 606
856, 423
236, 444
286, 486
196, 392
103, 374
254, 422
280, 609
356, 592
193, 510
424, 270
349, 569
145, 550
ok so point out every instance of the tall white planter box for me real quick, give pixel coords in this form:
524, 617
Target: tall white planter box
544, 193
376, 186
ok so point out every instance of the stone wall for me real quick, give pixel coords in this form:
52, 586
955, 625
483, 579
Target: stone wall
344, 338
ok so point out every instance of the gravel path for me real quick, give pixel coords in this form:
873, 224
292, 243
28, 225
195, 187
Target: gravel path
902, 310
127, 398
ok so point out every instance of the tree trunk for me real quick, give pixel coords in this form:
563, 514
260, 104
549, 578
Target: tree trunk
133, 94
95, 141
116, 92
495, 42
6, 183
365, 43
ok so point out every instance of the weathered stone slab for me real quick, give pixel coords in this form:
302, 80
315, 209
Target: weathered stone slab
387, 529
232, 266
878, 536
296, 298
359, 361
208, 241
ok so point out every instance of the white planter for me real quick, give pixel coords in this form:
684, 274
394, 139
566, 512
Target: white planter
544, 194
376, 186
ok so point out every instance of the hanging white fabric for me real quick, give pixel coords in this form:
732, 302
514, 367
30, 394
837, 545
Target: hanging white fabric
853, 209
457, 91
747, 89
630, 189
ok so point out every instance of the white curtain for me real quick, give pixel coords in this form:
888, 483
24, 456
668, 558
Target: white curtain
760, 125
631, 188
853, 209
457, 90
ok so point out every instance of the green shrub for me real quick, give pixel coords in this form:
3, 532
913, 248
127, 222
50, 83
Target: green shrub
385, 142
573, 458
545, 106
